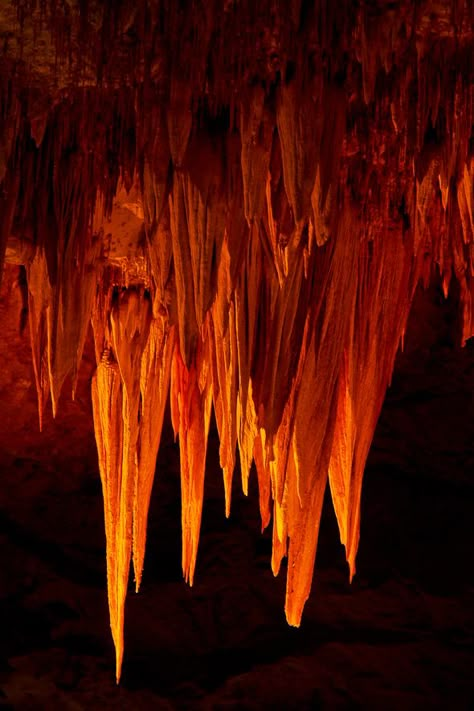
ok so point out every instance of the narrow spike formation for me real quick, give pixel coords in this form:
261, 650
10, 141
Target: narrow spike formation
242, 197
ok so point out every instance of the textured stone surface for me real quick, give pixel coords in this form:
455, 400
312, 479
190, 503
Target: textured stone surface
242, 198
401, 635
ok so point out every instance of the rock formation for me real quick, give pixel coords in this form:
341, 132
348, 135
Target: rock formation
242, 198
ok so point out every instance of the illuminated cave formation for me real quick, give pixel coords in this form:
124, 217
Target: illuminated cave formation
242, 198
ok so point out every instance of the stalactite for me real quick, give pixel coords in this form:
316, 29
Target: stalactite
116, 398
39, 298
108, 426
154, 385
191, 399
224, 370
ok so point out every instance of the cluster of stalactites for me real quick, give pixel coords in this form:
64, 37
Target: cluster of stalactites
280, 240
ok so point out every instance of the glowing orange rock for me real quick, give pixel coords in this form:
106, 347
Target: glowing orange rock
187, 322
155, 374
191, 399
116, 406
39, 298
223, 355
256, 132
108, 425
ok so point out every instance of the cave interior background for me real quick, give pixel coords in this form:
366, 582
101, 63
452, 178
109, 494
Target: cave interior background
238, 207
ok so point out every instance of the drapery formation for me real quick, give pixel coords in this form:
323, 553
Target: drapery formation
241, 197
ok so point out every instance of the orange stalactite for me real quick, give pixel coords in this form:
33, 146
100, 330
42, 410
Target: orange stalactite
108, 425
116, 403
223, 356
155, 374
264, 482
191, 400
39, 297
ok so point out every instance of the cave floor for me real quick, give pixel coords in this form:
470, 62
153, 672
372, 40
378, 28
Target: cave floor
401, 636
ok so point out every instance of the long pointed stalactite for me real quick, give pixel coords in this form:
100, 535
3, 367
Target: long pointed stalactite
242, 198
